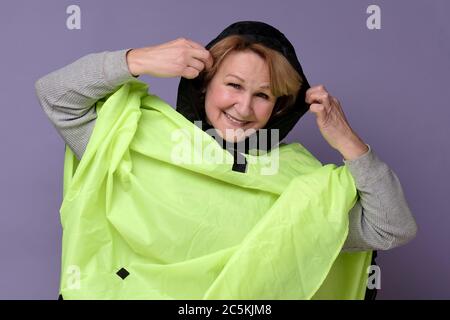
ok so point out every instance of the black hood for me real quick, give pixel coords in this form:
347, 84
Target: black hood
190, 102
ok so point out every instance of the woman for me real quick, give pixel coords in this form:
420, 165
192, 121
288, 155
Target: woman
236, 86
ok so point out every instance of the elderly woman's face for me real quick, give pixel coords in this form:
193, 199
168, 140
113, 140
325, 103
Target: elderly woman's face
238, 97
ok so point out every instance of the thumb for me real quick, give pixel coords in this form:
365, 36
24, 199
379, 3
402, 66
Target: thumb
319, 110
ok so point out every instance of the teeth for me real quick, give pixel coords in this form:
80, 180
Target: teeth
234, 119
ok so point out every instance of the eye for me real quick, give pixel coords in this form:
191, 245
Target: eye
263, 95
235, 85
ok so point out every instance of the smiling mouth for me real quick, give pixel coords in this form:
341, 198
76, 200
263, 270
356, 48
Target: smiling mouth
235, 121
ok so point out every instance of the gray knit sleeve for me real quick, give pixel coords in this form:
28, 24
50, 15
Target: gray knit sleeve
68, 95
381, 218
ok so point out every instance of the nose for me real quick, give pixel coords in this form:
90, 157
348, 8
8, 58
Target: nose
243, 107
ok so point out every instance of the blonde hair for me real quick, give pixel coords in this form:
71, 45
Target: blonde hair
285, 82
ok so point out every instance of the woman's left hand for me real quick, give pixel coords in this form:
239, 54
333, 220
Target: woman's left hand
332, 123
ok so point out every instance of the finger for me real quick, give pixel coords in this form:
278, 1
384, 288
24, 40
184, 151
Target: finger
190, 73
319, 97
196, 64
318, 110
202, 55
208, 57
315, 89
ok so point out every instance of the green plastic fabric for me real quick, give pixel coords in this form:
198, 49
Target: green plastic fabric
200, 230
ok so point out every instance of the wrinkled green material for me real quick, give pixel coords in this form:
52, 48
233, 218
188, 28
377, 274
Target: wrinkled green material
200, 230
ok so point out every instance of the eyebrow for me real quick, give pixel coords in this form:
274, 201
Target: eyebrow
233, 75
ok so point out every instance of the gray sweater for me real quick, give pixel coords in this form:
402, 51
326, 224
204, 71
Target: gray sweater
380, 219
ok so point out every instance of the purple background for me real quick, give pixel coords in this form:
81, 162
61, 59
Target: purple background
393, 85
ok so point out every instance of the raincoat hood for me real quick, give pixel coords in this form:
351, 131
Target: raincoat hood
191, 105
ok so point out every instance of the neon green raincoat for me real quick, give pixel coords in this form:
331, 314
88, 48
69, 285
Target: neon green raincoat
142, 222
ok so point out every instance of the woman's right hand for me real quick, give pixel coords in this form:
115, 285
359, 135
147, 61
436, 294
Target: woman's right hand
177, 58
